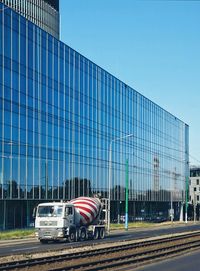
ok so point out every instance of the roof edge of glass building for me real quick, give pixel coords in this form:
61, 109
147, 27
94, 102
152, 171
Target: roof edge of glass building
43, 13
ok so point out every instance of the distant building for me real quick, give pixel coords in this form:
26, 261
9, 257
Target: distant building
194, 185
44, 13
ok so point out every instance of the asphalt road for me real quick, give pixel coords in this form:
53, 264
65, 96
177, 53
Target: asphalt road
33, 246
187, 262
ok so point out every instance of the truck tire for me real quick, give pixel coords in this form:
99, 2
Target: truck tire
96, 234
83, 235
42, 241
72, 236
101, 233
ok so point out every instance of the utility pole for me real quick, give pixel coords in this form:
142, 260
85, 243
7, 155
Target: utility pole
126, 205
110, 173
186, 199
171, 202
46, 180
195, 205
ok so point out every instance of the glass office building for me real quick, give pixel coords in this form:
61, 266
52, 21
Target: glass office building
44, 13
62, 117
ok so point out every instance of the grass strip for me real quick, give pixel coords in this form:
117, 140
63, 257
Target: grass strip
132, 225
16, 234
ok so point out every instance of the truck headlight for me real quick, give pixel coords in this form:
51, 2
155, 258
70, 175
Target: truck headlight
60, 234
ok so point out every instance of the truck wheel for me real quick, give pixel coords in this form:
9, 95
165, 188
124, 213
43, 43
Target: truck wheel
96, 234
42, 241
83, 234
101, 234
72, 237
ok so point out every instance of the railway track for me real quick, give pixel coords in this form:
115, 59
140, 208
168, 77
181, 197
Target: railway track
112, 257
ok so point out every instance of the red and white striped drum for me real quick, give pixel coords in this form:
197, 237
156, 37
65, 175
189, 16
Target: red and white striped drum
88, 209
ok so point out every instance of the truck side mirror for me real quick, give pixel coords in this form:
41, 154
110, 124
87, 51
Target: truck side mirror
34, 212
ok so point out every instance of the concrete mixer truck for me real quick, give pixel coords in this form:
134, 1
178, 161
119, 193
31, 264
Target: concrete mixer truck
78, 219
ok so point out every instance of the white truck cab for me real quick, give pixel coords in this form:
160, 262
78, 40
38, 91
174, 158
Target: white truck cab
61, 220
53, 220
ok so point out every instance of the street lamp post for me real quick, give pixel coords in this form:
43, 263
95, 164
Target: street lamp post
195, 206
126, 204
110, 172
186, 199
171, 204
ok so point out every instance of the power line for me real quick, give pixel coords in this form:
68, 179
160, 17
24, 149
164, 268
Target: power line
194, 158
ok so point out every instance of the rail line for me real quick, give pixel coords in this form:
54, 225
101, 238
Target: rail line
112, 257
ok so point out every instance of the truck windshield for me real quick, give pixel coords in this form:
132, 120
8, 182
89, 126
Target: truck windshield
44, 211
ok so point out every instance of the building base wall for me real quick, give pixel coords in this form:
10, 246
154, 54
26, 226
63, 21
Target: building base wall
144, 211
18, 213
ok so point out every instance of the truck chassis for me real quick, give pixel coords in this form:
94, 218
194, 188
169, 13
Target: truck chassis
71, 234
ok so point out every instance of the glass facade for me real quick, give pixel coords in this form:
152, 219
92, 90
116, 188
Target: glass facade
44, 13
59, 113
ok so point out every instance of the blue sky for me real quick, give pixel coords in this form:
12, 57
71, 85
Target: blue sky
153, 46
